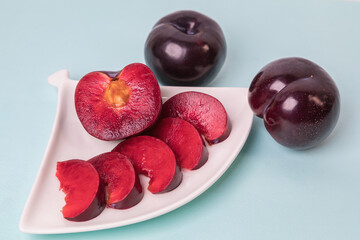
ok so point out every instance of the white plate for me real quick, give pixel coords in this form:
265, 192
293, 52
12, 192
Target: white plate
69, 140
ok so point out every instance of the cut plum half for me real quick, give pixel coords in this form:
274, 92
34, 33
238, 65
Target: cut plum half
85, 195
116, 105
204, 111
153, 158
185, 141
122, 184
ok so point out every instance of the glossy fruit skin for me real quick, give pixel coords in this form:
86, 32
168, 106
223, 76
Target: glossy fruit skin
185, 48
298, 100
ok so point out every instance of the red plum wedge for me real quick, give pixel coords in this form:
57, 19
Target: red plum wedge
205, 112
85, 195
185, 141
121, 182
153, 158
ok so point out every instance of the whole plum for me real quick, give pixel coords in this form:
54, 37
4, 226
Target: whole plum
297, 99
185, 48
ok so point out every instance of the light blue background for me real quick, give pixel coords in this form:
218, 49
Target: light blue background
269, 192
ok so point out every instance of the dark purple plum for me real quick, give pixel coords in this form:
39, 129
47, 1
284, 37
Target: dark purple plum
297, 99
185, 48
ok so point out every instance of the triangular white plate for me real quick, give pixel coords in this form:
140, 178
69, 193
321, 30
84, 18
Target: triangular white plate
69, 140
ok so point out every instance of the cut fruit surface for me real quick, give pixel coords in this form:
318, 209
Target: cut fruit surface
116, 105
185, 141
85, 196
122, 183
203, 111
153, 158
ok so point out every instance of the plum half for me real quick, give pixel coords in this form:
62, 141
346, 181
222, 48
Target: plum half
153, 158
122, 184
203, 111
185, 141
116, 105
297, 99
85, 195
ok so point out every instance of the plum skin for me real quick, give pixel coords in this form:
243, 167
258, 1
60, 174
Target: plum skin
185, 48
298, 100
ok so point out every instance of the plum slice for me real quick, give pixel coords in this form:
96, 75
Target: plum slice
185, 141
203, 111
116, 105
153, 158
116, 171
85, 195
